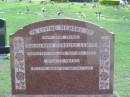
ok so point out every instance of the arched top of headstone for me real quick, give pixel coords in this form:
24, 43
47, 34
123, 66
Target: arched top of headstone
38, 28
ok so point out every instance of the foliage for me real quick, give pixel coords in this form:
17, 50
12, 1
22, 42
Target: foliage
60, 1
110, 2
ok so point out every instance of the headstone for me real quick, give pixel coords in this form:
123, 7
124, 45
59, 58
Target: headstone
82, 14
27, 9
99, 13
94, 5
60, 12
62, 57
3, 48
2, 32
43, 10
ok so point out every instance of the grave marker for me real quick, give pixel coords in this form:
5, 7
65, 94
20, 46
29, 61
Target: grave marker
62, 56
2, 32
43, 10
99, 13
60, 12
3, 48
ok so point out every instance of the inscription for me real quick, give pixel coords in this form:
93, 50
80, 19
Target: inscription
60, 45
62, 53
62, 37
63, 68
62, 60
61, 28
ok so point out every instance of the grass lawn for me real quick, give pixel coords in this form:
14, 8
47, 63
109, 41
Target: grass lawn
115, 20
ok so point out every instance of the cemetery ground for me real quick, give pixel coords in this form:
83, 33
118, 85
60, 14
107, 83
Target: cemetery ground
116, 20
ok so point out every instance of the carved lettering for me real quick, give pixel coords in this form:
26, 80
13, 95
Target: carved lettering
62, 28
62, 37
60, 45
63, 68
62, 53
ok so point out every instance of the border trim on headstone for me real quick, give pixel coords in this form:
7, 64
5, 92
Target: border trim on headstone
104, 68
19, 63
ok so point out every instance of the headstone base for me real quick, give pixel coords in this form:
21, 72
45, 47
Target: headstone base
103, 95
4, 49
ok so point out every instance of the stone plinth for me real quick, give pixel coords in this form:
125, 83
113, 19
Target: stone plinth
103, 95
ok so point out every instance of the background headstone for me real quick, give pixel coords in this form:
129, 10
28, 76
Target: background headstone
3, 48
2, 32
62, 56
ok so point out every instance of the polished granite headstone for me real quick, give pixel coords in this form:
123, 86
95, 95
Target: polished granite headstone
2, 32
3, 48
62, 57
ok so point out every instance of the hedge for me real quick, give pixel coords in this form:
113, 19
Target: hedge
110, 2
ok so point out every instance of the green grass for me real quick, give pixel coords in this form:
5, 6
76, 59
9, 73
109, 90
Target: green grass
113, 22
5, 82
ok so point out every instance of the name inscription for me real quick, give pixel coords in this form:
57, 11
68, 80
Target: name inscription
73, 53
63, 68
61, 37
61, 28
60, 45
